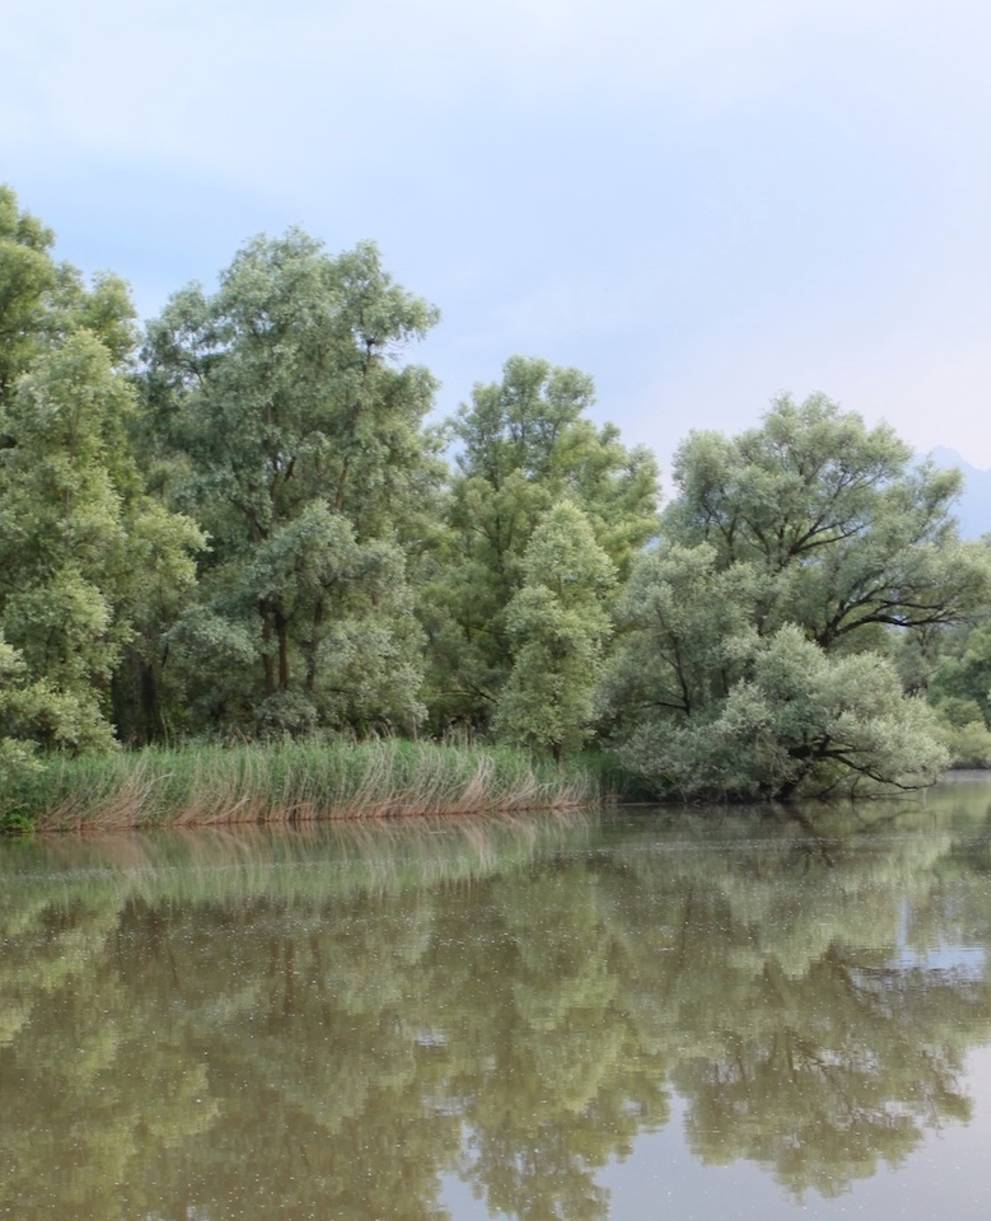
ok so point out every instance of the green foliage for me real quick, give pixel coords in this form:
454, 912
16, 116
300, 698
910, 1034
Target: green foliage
73, 534
295, 437
17, 758
559, 625
967, 744
753, 655
27, 274
42, 302
962, 672
687, 632
802, 718
282, 781
248, 530
845, 533
525, 446
959, 687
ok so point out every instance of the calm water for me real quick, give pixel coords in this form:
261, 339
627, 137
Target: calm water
649, 1015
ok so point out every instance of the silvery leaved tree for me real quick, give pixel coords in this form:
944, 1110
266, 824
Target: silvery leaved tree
523, 444
559, 623
81, 543
284, 419
756, 651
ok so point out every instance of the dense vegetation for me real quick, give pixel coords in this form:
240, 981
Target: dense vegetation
297, 781
240, 523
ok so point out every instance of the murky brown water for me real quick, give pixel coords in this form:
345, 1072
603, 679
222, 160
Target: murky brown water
703, 1015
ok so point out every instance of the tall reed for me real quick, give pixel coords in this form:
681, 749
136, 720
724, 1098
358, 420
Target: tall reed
293, 781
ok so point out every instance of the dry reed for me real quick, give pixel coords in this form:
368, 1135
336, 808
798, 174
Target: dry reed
295, 782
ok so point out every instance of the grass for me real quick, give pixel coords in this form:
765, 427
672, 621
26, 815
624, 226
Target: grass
292, 782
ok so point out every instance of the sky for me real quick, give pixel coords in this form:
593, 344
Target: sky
702, 204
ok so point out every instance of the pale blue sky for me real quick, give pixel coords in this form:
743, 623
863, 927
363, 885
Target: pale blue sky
699, 203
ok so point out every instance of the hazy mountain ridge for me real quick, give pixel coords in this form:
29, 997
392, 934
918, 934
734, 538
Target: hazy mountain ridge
974, 506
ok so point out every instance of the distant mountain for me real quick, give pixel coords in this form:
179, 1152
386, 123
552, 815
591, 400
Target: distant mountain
973, 509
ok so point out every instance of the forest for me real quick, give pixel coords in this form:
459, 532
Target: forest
240, 526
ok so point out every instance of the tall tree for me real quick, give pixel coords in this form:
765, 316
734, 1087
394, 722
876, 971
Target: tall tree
296, 437
42, 302
843, 530
72, 531
27, 275
81, 543
525, 444
791, 549
559, 623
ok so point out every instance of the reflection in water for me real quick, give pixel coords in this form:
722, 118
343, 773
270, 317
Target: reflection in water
328, 1024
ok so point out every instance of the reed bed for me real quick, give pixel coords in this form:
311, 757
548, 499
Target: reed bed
293, 782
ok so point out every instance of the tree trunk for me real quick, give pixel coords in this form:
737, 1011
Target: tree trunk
151, 721
312, 646
282, 631
267, 661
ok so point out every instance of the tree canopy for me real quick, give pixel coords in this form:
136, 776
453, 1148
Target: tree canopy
240, 520
755, 655
82, 544
524, 445
293, 434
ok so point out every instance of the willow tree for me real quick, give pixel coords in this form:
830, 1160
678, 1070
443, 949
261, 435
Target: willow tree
844, 532
953, 668
27, 274
80, 541
291, 430
43, 301
524, 444
756, 650
559, 623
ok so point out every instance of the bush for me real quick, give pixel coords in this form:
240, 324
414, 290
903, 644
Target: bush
968, 745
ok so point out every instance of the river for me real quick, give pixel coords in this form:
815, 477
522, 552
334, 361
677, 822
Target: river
682, 1014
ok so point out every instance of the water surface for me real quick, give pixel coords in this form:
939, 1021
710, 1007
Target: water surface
681, 1015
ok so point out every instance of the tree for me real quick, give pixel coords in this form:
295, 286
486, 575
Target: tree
27, 274
789, 555
952, 667
962, 673
687, 630
83, 548
43, 302
559, 624
525, 445
17, 756
800, 718
843, 531
69, 521
291, 431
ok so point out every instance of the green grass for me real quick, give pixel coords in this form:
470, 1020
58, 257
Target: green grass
292, 782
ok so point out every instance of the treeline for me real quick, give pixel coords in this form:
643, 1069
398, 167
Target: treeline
239, 522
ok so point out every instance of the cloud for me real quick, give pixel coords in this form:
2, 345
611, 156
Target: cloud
700, 203
218, 84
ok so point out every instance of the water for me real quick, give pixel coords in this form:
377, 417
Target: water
704, 1015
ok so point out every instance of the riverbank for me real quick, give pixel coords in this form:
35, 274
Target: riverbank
291, 782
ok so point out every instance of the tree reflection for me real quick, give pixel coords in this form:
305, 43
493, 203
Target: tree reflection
284, 1026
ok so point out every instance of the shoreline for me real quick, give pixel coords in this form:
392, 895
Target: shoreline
292, 782
298, 782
